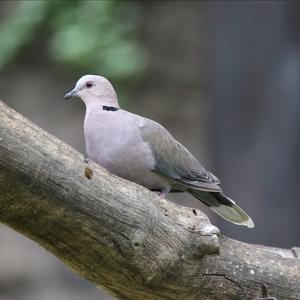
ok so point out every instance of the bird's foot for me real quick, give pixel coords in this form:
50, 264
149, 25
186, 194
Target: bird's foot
162, 194
87, 160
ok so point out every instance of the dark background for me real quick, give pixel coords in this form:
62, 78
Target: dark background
223, 77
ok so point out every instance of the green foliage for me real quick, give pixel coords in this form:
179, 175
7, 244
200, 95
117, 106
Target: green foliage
90, 36
18, 28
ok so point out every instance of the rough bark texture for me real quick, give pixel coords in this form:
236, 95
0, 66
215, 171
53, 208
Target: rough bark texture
120, 235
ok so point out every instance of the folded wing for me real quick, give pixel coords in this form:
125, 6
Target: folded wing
173, 160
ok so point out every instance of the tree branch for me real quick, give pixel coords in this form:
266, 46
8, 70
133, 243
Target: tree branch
121, 236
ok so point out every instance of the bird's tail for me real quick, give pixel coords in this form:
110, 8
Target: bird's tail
224, 207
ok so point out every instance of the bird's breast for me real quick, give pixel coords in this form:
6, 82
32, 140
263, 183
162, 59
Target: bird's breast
114, 142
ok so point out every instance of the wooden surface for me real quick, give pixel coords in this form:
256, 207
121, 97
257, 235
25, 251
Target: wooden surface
121, 236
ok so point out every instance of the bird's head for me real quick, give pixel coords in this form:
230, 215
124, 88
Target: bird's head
94, 89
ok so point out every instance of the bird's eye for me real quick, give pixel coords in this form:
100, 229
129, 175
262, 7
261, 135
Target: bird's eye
89, 84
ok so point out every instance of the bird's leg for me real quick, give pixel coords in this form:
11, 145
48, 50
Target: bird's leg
162, 194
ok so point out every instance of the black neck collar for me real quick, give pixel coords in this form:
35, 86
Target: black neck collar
110, 108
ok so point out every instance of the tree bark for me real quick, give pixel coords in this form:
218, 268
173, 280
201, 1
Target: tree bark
121, 236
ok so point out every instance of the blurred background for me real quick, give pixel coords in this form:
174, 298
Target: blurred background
223, 77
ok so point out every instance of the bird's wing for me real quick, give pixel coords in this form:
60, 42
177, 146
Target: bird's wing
174, 161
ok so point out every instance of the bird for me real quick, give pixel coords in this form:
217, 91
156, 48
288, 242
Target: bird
141, 150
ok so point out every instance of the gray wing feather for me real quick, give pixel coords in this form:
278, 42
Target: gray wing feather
173, 160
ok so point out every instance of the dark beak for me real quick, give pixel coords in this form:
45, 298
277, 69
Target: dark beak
70, 94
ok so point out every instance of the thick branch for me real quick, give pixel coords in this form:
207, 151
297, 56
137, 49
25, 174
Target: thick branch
120, 235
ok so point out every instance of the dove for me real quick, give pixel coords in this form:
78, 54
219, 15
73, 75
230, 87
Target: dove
143, 151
